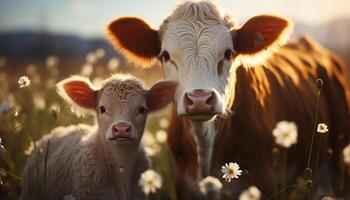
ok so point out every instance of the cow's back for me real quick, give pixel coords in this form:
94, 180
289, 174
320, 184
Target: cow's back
283, 89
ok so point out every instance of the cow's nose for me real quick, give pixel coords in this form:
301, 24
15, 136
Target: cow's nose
199, 101
121, 130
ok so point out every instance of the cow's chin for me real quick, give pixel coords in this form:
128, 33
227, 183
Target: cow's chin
200, 117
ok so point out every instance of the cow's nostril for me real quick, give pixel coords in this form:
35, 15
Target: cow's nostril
211, 100
188, 101
128, 129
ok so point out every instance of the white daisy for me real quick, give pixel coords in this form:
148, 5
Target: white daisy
346, 154
23, 81
39, 101
113, 64
164, 123
161, 136
150, 181
230, 171
286, 133
150, 144
252, 193
91, 58
87, 70
100, 53
209, 184
322, 128
51, 62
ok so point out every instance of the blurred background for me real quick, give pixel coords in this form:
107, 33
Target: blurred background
50, 40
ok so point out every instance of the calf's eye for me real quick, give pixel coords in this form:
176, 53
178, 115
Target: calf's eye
142, 110
102, 109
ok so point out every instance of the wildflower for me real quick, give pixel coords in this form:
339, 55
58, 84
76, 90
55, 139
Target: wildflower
113, 64
51, 62
87, 70
346, 154
150, 181
322, 128
161, 136
150, 144
23, 82
285, 133
252, 193
2, 148
100, 53
16, 112
39, 102
91, 58
164, 123
230, 171
210, 185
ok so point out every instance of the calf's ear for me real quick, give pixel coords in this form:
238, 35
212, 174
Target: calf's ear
261, 34
160, 94
135, 39
79, 92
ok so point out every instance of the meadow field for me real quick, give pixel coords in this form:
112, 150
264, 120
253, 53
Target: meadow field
31, 109
44, 42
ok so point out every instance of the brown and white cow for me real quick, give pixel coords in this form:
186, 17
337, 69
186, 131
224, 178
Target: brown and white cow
231, 93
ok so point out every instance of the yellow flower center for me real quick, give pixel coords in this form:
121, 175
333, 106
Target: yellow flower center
231, 171
150, 182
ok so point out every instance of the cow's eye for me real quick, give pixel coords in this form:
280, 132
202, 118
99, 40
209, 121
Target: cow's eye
165, 56
102, 109
228, 54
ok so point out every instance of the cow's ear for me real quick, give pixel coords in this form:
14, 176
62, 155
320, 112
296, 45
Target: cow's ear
79, 93
261, 34
135, 39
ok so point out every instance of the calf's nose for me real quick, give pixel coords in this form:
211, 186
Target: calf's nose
121, 130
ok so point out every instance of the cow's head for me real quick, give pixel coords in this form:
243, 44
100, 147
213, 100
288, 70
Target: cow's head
197, 46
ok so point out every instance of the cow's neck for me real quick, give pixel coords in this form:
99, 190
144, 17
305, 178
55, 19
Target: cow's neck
203, 133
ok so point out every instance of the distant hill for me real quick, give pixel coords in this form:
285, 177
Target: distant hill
22, 45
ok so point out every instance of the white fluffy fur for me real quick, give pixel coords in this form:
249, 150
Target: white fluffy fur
78, 164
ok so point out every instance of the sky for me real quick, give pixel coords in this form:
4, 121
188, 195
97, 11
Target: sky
88, 18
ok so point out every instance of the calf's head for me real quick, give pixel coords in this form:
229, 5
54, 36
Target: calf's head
121, 104
197, 46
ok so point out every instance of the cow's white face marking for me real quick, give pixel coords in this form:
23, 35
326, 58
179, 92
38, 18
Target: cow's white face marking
196, 59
